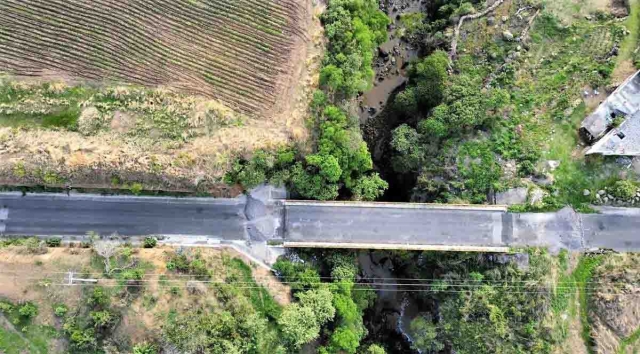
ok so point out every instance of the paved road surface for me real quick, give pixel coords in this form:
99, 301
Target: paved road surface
58, 214
260, 218
615, 228
385, 223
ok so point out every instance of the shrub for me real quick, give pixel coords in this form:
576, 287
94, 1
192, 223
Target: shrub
375, 349
624, 189
145, 348
90, 121
60, 310
369, 187
174, 290
178, 262
28, 310
150, 242
81, 340
98, 297
53, 242
136, 188
35, 246
5, 307
101, 319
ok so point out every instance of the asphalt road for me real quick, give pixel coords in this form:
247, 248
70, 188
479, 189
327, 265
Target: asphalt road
58, 214
260, 218
396, 224
614, 228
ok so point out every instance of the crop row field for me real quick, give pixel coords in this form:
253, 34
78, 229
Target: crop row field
108, 94
235, 51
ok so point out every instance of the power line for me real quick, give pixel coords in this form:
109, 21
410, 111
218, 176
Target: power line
329, 278
471, 284
356, 286
353, 289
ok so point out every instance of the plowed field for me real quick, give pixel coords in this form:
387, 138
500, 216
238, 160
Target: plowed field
235, 51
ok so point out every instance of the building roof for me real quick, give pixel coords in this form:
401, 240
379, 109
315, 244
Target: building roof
624, 140
624, 101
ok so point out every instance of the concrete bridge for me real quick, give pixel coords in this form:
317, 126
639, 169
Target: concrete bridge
262, 219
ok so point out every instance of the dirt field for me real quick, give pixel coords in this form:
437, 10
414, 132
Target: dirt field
237, 52
166, 94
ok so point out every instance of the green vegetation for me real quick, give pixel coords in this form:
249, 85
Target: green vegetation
624, 189
507, 107
582, 276
630, 340
150, 242
319, 302
484, 308
20, 334
354, 29
628, 48
341, 162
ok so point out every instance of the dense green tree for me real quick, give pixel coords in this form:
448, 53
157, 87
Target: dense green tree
354, 29
433, 128
407, 144
321, 303
203, 332
407, 101
425, 335
332, 78
342, 159
298, 325
299, 275
328, 166
310, 184
375, 349
429, 77
344, 340
369, 188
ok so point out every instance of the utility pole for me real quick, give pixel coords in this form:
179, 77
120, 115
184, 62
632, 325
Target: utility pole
71, 279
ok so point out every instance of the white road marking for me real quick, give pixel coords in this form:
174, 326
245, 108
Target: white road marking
4, 213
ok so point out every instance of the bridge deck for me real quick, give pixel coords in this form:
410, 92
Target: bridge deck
393, 224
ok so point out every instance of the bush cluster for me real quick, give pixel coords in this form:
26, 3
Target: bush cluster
341, 163
194, 265
333, 306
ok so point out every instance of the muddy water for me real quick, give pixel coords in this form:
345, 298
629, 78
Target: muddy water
387, 321
391, 64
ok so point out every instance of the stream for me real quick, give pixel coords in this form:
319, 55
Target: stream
389, 319
377, 119
391, 63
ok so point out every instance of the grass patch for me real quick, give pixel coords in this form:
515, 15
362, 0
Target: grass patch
570, 286
22, 336
582, 276
632, 24
67, 118
259, 296
630, 340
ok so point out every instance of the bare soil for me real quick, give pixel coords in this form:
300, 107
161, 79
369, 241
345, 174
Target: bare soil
616, 305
